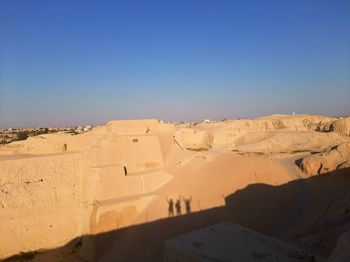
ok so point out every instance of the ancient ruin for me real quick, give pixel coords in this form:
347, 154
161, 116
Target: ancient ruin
134, 184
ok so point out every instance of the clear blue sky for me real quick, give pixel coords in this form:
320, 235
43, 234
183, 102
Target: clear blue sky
70, 62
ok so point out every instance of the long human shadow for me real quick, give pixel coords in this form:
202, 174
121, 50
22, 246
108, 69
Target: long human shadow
283, 211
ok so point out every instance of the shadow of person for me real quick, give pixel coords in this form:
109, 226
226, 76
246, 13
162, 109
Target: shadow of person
188, 204
170, 207
178, 206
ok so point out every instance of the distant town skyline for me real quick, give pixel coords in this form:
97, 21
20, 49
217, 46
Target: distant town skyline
65, 63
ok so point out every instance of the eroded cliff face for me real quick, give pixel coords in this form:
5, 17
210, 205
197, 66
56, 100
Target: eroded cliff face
333, 158
277, 133
341, 126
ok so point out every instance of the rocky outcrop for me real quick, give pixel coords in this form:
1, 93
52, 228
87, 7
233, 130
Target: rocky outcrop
234, 133
299, 122
331, 159
290, 142
323, 127
341, 126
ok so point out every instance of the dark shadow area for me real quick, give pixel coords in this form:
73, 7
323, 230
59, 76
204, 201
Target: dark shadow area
291, 212
178, 206
170, 207
298, 162
187, 202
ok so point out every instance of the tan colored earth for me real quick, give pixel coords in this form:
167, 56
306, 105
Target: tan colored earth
105, 195
333, 158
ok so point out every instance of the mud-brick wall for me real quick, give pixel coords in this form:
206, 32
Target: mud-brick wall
40, 202
137, 153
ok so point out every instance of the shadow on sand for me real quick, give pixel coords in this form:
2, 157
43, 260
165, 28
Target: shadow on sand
284, 211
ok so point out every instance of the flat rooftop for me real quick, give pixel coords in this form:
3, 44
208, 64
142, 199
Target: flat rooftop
229, 242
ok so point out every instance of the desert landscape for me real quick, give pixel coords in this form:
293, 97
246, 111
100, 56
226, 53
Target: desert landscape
174, 131
131, 185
